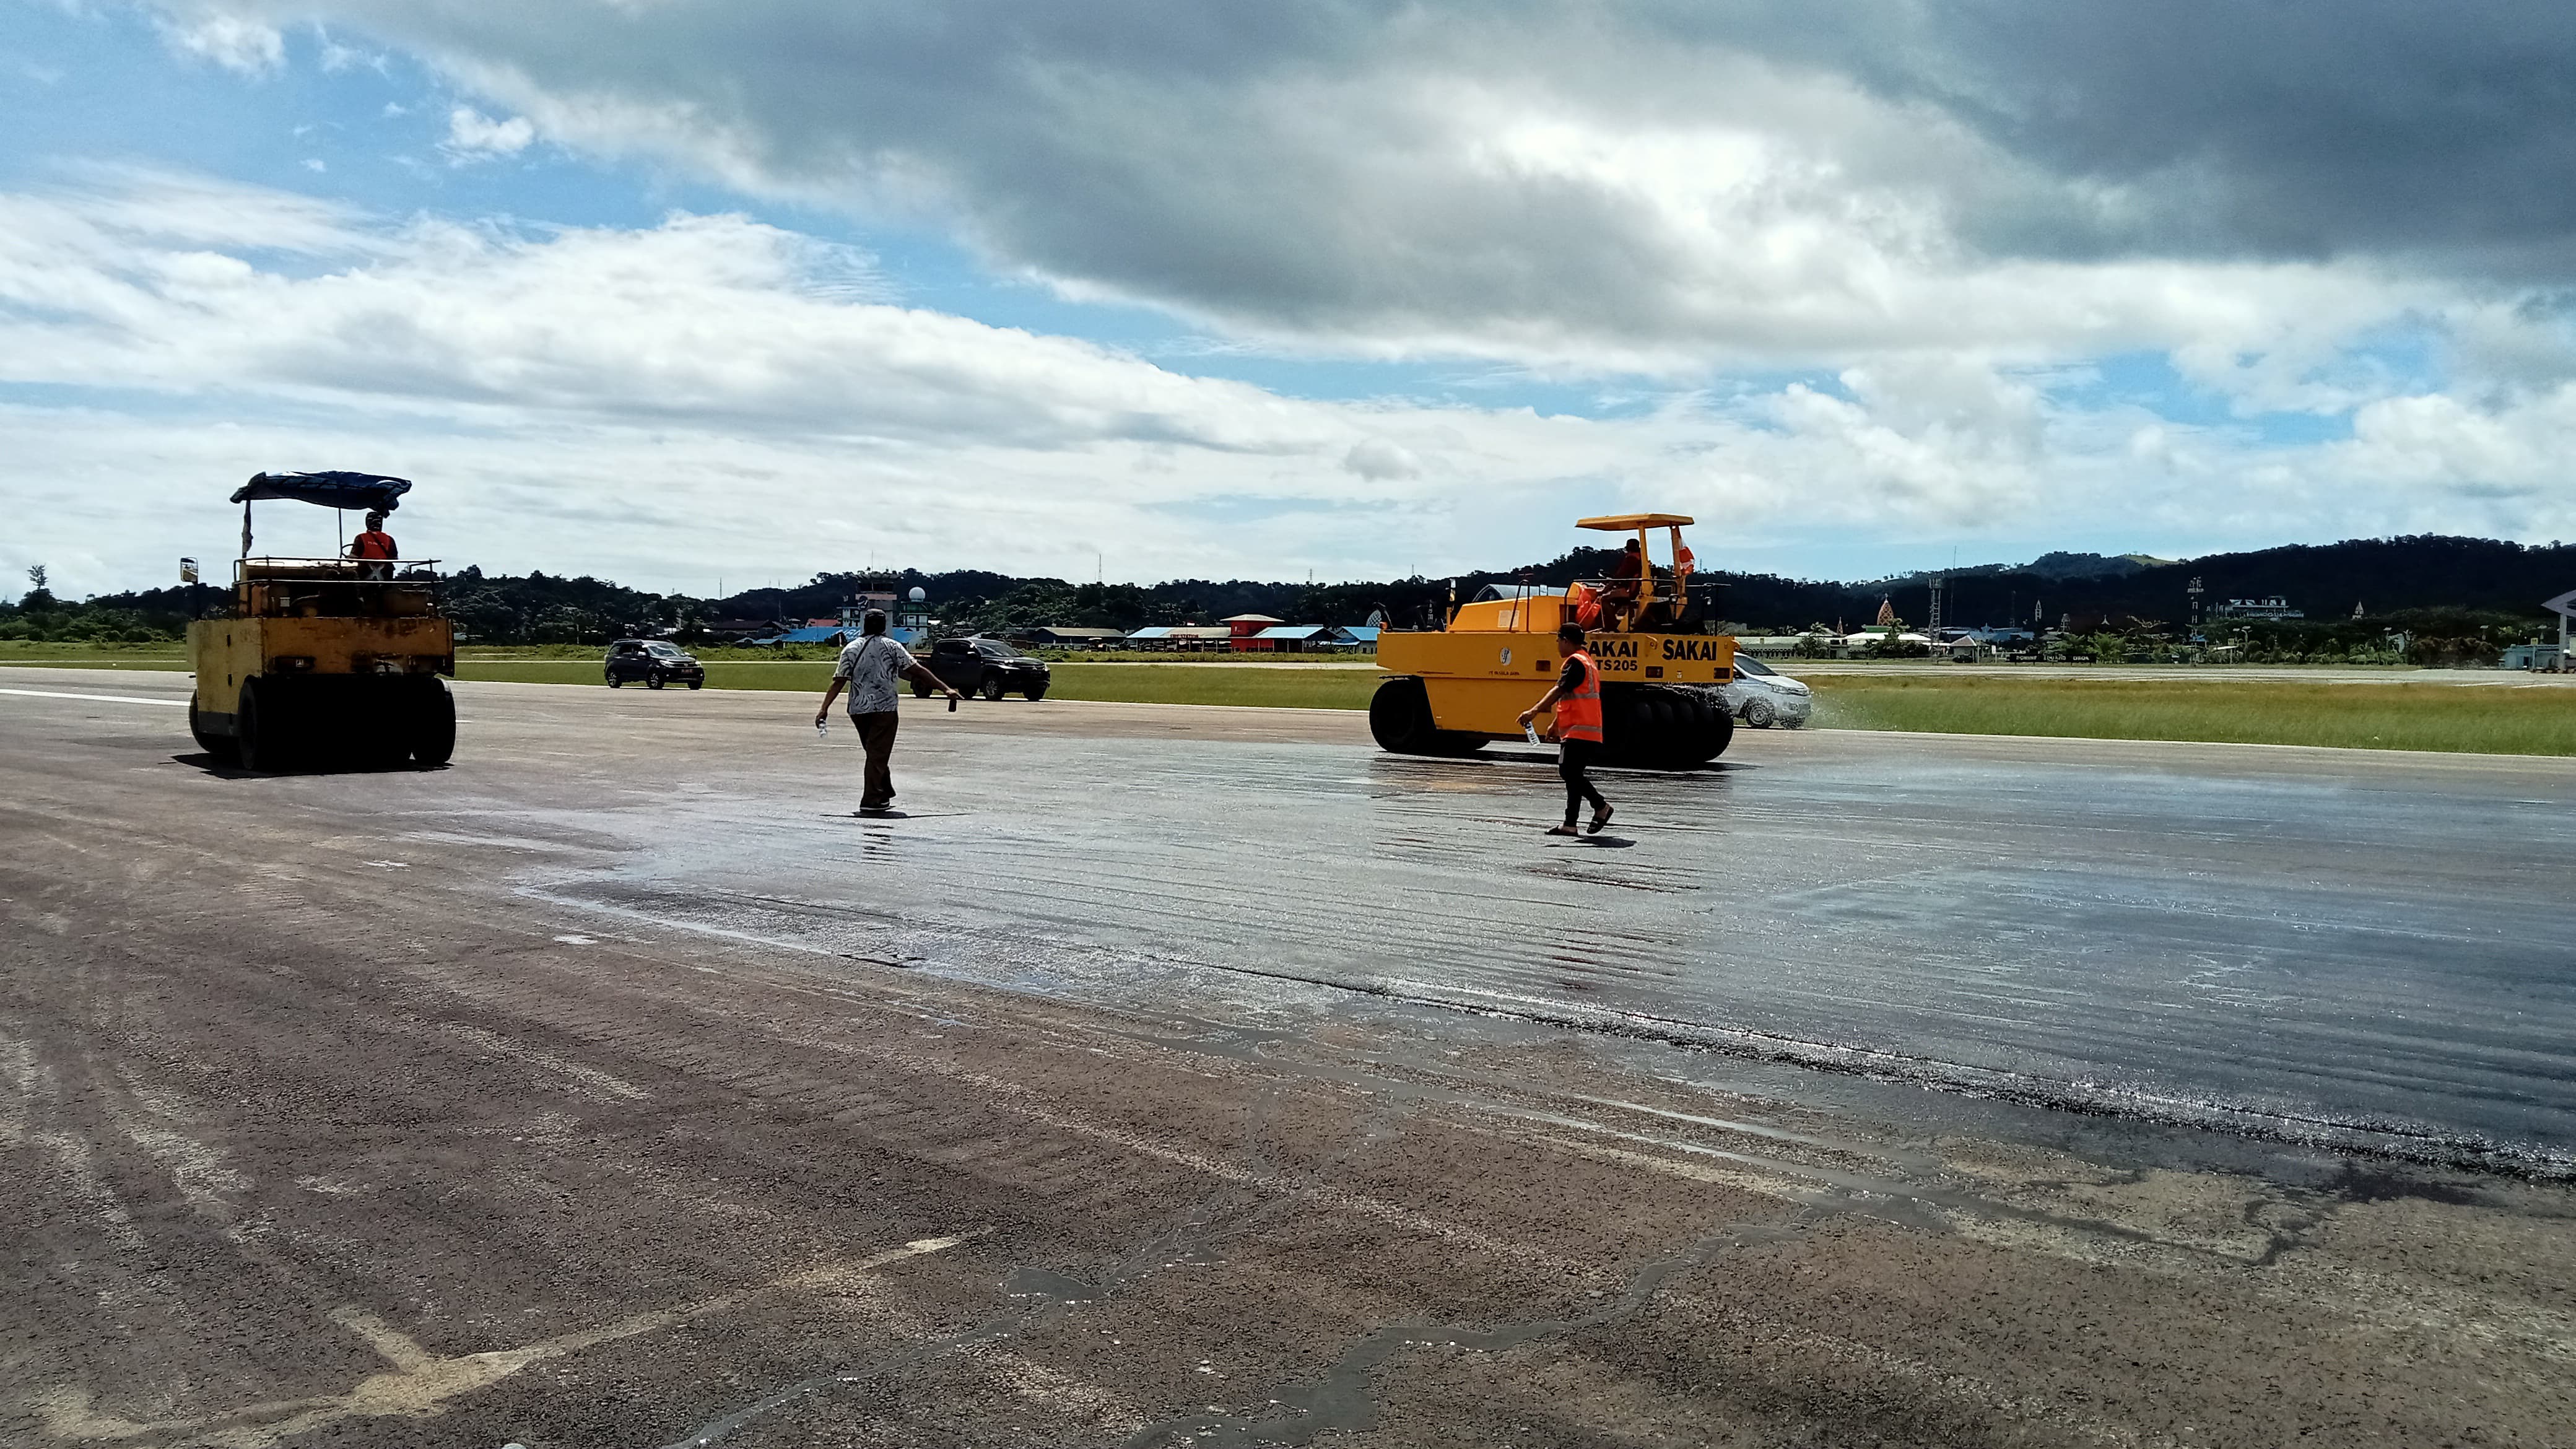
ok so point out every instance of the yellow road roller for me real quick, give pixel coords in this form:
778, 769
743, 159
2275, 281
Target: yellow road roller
1455, 689
326, 661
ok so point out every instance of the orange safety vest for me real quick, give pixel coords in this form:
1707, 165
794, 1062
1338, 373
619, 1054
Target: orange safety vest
1578, 714
372, 544
1587, 606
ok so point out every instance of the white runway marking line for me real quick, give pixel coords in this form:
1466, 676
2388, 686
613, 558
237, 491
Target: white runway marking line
101, 698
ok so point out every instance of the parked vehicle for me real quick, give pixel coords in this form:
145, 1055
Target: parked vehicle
988, 667
654, 662
1762, 696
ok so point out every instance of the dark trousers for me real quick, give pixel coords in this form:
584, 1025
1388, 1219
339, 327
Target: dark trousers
876, 736
1573, 757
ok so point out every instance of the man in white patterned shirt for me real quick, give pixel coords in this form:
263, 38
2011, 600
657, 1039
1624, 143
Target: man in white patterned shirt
870, 668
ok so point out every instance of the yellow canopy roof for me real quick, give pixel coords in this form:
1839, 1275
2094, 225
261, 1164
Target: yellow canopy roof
1618, 522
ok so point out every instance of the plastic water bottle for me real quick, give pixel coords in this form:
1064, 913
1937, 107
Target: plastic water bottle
821, 730
1531, 731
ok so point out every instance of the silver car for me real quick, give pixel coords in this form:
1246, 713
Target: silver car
1762, 696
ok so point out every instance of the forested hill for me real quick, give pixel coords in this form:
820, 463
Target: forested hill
2384, 576
2327, 581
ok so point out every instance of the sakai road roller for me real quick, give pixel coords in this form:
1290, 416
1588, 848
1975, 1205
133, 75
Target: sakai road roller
1457, 688
325, 660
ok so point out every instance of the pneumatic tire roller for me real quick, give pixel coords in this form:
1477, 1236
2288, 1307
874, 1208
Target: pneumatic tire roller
325, 662
1457, 688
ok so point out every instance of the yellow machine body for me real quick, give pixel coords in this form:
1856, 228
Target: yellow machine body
1498, 657
226, 652
345, 659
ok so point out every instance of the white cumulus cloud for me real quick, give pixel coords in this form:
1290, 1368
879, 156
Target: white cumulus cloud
473, 136
233, 41
718, 394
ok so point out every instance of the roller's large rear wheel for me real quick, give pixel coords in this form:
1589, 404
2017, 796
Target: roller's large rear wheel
1660, 727
432, 731
1400, 721
224, 748
259, 731
1400, 717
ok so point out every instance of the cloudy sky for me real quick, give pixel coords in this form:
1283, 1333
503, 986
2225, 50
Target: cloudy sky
689, 291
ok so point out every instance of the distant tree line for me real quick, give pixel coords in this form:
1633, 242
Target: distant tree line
118, 619
2455, 600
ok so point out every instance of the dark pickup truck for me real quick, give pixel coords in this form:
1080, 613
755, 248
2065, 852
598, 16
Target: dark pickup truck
982, 666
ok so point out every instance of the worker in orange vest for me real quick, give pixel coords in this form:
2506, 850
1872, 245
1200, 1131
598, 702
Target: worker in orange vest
1577, 701
375, 546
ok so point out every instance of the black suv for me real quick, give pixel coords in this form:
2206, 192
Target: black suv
654, 662
984, 666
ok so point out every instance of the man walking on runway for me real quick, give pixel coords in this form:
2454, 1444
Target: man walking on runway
1577, 698
870, 667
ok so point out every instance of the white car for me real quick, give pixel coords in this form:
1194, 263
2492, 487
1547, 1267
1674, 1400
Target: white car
1762, 696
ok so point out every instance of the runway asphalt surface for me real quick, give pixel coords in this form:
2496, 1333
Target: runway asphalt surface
1183, 1075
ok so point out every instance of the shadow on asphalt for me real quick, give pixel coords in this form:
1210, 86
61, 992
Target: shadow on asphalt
210, 765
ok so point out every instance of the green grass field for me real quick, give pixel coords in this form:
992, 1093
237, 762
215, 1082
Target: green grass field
2506, 721
1191, 684
2534, 720
94, 656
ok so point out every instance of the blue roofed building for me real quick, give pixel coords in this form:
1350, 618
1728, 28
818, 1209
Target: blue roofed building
1288, 638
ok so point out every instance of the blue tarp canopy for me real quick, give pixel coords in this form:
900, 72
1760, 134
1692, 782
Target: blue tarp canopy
331, 490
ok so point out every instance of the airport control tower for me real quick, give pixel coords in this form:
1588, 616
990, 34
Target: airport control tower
907, 611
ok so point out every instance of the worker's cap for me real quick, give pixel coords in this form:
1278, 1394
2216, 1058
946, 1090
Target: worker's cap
1572, 632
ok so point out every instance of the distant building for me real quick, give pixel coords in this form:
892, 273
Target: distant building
2530, 656
1062, 636
1248, 627
1288, 638
907, 614
1181, 636
1769, 646
2273, 607
832, 634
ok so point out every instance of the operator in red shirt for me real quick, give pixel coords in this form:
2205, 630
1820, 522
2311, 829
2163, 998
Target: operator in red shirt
375, 546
